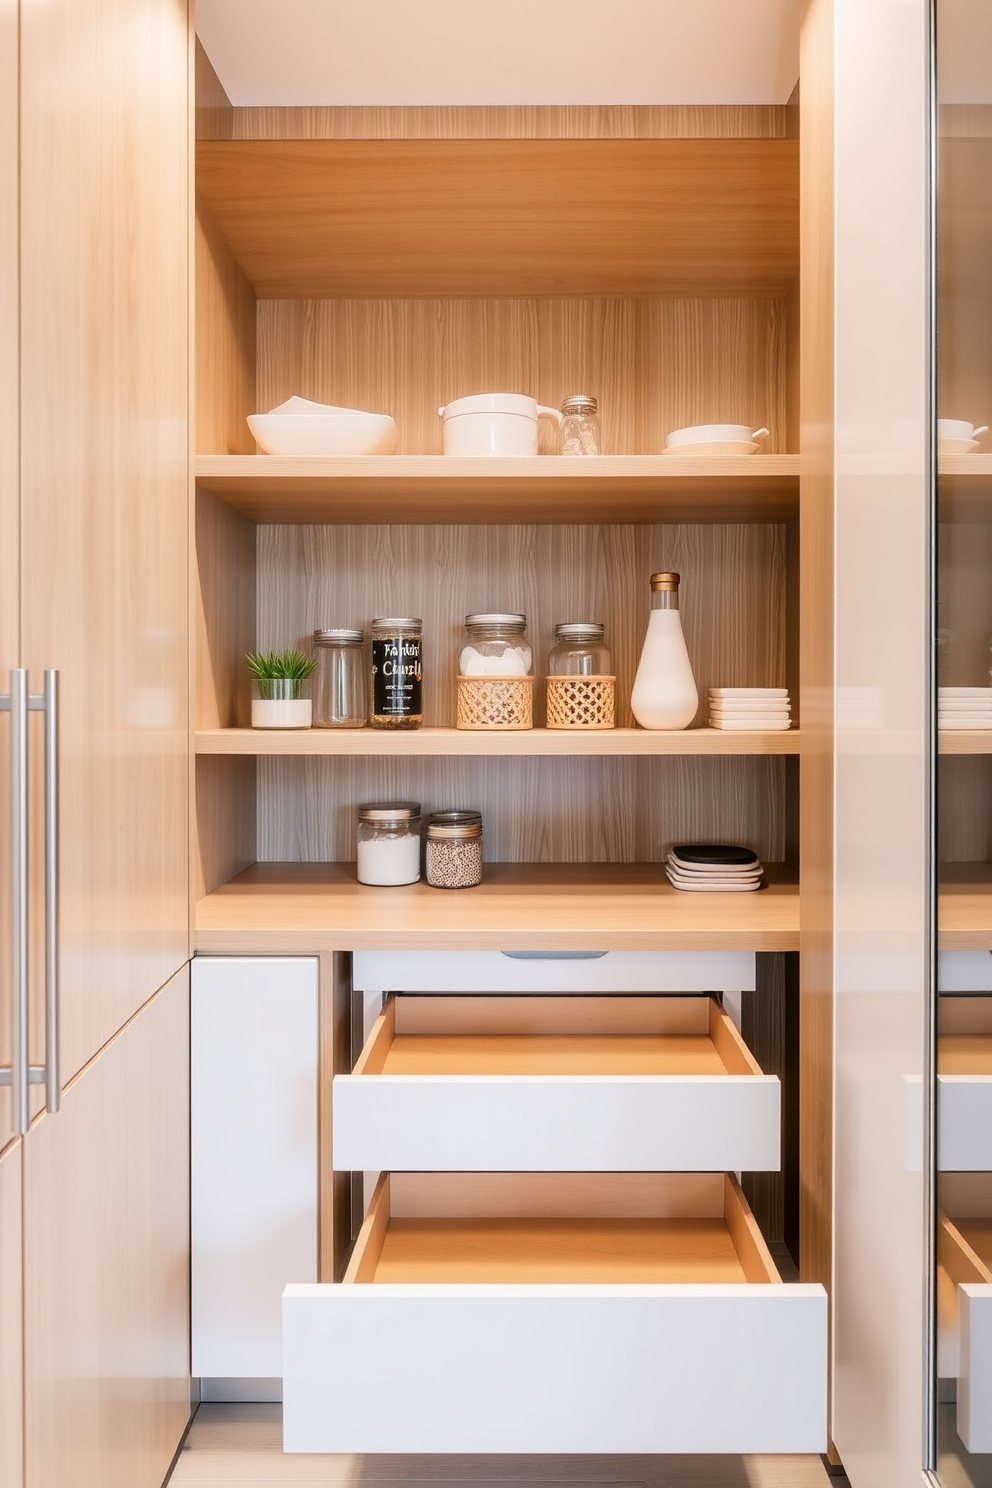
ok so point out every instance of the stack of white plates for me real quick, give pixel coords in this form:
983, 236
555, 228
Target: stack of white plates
749, 708
712, 869
964, 707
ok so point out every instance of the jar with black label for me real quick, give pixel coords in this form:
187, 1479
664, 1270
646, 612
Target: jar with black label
397, 674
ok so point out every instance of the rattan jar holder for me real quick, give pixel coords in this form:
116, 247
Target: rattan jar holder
495, 702
580, 702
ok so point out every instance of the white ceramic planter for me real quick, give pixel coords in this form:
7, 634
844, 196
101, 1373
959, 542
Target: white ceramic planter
281, 713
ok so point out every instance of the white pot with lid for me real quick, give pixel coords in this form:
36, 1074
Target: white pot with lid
487, 424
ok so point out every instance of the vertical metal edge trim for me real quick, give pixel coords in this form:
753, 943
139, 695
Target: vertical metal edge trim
931, 758
53, 1087
19, 1075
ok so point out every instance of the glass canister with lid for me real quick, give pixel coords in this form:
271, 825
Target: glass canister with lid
388, 846
397, 673
339, 691
579, 433
454, 849
580, 681
495, 681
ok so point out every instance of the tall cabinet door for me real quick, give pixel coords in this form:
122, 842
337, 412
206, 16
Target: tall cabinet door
11, 1337
105, 483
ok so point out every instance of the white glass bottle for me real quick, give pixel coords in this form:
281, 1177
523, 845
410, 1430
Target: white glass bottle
664, 695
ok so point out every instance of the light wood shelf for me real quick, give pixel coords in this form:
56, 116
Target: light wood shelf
282, 908
964, 912
423, 489
504, 217
965, 741
435, 742
965, 487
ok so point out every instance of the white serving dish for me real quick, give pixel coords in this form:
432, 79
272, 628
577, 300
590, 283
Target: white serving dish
493, 425
299, 427
423, 1353
731, 693
769, 725
714, 439
959, 429
563, 1084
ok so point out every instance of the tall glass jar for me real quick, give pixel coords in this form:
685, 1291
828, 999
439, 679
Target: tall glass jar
495, 646
580, 651
397, 674
388, 845
579, 433
339, 687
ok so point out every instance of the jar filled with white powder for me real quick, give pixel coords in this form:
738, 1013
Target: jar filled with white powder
495, 646
389, 843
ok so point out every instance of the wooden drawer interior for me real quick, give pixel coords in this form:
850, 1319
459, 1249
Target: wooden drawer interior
600, 1228
545, 1036
964, 1045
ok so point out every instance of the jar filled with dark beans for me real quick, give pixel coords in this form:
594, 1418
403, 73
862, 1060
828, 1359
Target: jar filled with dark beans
454, 849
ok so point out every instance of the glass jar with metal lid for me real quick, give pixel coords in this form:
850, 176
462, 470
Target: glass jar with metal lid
495, 682
454, 849
579, 433
580, 678
580, 651
388, 847
339, 689
397, 673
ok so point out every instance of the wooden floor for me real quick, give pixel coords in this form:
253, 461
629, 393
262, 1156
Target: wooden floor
240, 1446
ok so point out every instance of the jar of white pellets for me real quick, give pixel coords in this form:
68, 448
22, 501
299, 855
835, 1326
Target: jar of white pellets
454, 849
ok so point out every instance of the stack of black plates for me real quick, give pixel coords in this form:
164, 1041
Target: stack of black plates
711, 868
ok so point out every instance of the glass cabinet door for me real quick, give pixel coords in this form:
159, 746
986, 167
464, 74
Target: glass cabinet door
963, 1186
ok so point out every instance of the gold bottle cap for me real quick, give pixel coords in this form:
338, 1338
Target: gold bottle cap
664, 581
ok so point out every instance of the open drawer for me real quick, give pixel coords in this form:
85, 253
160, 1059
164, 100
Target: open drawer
556, 1312
533, 1084
964, 1302
964, 1084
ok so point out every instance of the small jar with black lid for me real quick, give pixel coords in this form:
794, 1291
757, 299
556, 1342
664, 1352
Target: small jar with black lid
397, 674
339, 687
454, 849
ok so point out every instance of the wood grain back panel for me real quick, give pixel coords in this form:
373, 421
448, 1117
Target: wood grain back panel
539, 121
655, 364
732, 593
225, 344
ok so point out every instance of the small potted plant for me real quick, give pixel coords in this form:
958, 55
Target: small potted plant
279, 682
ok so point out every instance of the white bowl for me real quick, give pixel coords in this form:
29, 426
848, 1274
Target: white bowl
959, 429
724, 439
299, 427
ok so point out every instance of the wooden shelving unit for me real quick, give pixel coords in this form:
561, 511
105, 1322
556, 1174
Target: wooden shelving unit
430, 742
424, 489
279, 908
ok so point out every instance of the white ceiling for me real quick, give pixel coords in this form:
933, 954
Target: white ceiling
409, 52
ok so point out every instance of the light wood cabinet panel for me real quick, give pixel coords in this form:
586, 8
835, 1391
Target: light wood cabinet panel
11, 1337
106, 1265
9, 478
105, 380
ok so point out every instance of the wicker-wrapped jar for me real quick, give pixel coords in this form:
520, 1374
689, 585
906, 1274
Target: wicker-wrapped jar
495, 685
580, 681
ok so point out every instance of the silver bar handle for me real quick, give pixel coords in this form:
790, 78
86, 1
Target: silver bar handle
53, 1081
19, 1076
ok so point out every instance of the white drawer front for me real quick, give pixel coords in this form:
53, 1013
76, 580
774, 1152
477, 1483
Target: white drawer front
975, 1380
494, 971
965, 1125
254, 1155
964, 971
501, 1368
575, 1123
